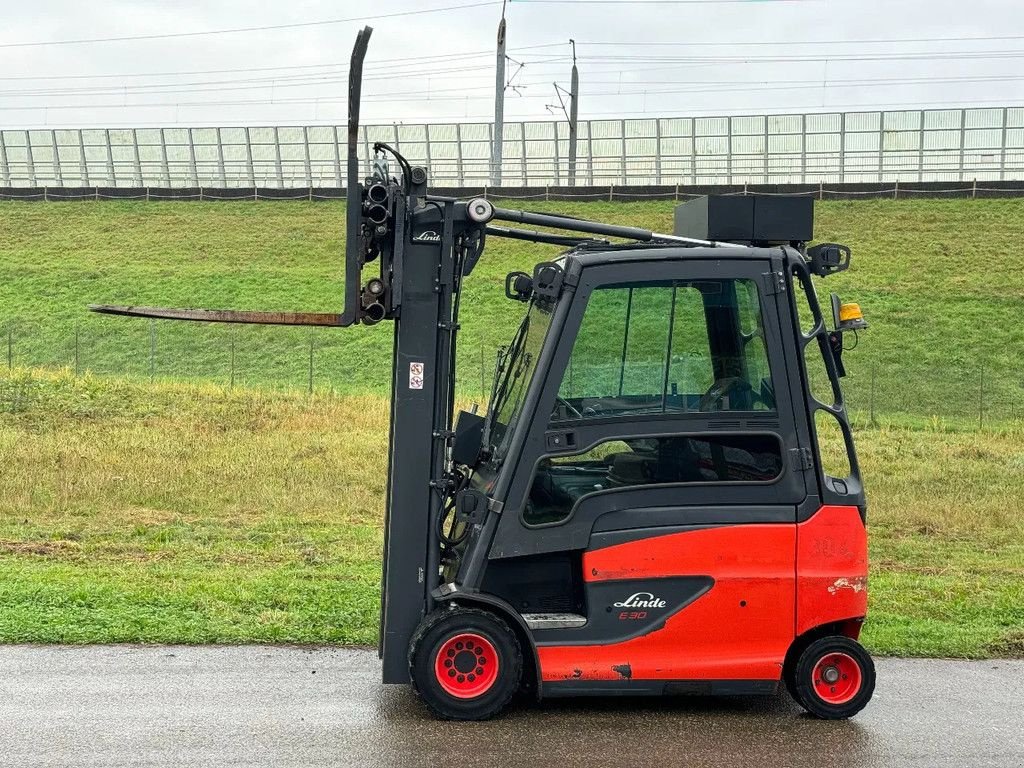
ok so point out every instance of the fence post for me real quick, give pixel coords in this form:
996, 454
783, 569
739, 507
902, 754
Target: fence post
821, 189
871, 397
5, 166
974, 189
192, 165
981, 396
152, 349
896, 190
311, 361
611, 192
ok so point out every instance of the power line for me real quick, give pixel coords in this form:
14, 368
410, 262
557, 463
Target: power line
408, 67
294, 80
793, 58
802, 43
628, 88
314, 100
263, 28
378, 64
459, 74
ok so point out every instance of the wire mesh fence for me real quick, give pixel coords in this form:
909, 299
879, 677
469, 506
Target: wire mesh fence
840, 147
979, 393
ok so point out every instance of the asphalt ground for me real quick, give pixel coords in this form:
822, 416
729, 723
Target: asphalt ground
276, 706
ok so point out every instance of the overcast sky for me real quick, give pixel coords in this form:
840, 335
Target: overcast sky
636, 58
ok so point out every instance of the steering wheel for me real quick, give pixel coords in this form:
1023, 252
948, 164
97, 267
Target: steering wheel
717, 392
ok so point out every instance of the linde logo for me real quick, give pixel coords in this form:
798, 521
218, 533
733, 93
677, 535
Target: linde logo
641, 600
430, 236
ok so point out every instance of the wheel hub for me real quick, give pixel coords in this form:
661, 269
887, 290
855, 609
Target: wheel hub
465, 661
837, 678
466, 665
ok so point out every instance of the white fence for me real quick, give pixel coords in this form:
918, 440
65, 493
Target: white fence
928, 145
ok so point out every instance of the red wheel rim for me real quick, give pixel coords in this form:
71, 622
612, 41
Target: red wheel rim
466, 665
837, 678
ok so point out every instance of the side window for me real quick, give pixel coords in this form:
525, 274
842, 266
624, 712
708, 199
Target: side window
675, 347
690, 366
560, 481
755, 353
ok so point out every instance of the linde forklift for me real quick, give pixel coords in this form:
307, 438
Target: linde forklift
643, 507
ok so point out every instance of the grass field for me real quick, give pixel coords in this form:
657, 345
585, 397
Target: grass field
936, 280
177, 513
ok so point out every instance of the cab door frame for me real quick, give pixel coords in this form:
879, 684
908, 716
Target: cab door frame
765, 266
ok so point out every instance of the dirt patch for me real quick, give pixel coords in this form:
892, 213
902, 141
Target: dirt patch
1010, 646
43, 548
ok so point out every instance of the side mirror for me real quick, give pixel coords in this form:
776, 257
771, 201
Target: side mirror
826, 258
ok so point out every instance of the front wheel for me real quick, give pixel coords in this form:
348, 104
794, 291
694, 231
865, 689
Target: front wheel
834, 678
466, 664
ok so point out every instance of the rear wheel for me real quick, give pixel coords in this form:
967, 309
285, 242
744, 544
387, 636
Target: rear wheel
833, 678
465, 664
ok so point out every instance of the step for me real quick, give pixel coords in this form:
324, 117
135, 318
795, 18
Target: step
553, 620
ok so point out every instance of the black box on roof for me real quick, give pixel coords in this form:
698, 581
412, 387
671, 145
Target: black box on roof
747, 219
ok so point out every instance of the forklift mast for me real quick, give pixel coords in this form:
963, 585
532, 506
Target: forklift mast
407, 252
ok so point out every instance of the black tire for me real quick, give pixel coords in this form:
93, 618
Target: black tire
853, 684
466, 664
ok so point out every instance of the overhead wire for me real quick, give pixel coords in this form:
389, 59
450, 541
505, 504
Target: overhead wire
378, 64
261, 28
624, 89
437, 118
375, 64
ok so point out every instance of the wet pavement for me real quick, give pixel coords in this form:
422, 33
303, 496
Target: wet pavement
149, 706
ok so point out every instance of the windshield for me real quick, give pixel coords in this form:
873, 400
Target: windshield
515, 371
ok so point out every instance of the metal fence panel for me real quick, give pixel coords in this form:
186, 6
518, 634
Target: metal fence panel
905, 145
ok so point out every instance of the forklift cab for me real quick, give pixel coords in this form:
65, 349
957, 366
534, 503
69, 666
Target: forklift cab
664, 523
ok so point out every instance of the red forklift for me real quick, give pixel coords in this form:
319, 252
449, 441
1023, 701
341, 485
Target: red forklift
643, 507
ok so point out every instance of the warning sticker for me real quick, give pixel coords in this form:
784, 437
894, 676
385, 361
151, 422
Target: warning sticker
415, 375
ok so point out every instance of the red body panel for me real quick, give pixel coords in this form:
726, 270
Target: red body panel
831, 569
771, 582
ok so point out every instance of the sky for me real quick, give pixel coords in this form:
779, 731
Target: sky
66, 63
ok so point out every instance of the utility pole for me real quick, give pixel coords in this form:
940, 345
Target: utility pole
574, 95
497, 141
571, 113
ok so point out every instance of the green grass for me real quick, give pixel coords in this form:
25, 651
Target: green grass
159, 514
197, 513
183, 513
938, 279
